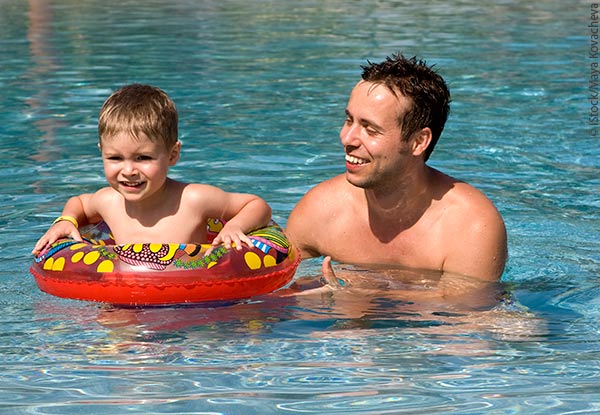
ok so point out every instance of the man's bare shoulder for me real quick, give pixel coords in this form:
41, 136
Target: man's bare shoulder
327, 194
319, 205
337, 183
452, 193
469, 203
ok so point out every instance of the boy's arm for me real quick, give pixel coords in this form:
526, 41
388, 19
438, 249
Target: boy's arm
65, 226
242, 213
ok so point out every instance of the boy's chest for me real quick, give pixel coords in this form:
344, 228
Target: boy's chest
166, 230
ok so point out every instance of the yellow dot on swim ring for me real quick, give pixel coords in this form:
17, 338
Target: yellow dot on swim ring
252, 260
91, 257
77, 257
106, 266
48, 263
155, 247
59, 264
75, 247
138, 247
211, 264
269, 261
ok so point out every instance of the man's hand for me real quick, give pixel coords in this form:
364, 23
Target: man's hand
329, 274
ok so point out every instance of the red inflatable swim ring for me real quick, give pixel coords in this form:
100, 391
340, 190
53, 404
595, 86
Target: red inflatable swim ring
163, 274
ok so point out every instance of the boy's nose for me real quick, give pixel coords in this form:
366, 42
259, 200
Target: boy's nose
129, 168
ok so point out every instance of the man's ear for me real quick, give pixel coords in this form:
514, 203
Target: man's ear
421, 140
175, 152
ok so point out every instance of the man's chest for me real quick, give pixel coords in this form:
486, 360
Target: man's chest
419, 246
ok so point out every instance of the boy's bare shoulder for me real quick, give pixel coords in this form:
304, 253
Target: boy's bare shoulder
103, 196
198, 192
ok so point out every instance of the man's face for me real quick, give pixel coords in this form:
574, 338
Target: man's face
376, 155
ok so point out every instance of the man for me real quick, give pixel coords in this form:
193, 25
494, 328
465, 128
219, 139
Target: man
390, 207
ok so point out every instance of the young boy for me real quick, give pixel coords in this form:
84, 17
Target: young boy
138, 134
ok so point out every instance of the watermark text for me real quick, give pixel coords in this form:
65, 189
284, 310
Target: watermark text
594, 70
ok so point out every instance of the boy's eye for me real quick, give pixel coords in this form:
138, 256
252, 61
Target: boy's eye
144, 158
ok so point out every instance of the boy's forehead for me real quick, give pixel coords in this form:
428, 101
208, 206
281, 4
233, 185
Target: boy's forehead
126, 138
127, 135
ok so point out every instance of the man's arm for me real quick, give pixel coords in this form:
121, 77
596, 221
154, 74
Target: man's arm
458, 291
301, 226
480, 249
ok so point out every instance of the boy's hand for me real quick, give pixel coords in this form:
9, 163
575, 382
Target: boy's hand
59, 230
230, 236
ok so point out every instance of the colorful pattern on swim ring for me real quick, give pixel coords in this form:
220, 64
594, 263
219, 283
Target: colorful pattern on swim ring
155, 273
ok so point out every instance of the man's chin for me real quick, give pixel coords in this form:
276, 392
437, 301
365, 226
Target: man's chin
356, 181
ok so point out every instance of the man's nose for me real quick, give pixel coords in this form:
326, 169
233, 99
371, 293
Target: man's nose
350, 134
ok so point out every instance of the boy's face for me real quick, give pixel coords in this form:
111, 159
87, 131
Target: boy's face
136, 167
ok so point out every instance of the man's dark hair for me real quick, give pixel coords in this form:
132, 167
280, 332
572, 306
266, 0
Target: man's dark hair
428, 92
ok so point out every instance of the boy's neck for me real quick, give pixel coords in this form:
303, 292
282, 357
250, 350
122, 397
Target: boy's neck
164, 202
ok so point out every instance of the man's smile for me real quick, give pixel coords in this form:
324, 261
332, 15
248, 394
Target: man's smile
355, 160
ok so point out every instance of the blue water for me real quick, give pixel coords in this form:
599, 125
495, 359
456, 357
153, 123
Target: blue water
261, 87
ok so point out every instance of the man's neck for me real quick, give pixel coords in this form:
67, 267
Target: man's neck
406, 195
399, 207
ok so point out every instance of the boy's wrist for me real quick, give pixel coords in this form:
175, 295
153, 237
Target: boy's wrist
68, 219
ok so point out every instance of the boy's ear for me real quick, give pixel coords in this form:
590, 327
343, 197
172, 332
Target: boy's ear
421, 140
175, 152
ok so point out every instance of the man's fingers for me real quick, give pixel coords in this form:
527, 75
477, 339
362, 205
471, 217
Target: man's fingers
329, 274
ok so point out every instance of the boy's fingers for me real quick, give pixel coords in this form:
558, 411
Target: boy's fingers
247, 241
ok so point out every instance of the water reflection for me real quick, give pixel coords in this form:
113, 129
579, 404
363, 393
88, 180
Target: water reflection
371, 306
374, 298
44, 65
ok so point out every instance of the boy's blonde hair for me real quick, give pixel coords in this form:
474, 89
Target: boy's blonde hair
137, 109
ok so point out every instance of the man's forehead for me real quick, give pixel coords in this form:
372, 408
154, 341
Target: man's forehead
380, 92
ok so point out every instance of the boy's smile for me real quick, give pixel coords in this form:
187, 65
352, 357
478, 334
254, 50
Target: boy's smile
131, 185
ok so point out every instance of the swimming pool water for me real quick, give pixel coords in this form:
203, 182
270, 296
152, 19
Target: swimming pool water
261, 86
